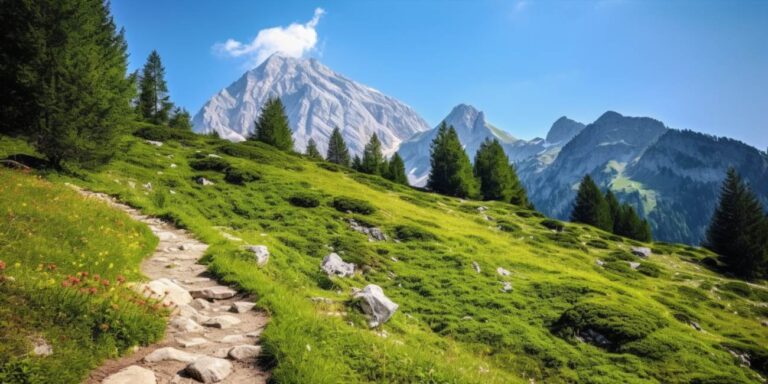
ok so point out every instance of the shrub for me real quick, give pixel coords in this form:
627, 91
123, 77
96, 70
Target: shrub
304, 200
508, 227
553, 225
162, 133
597, 244
209, 164
410, 232
350, 204
649, 270
240, 176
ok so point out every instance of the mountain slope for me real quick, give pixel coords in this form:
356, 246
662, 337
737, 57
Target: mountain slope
316, 100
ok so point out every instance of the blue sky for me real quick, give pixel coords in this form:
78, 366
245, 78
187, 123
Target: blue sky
700, 65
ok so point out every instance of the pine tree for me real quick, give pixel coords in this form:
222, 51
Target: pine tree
337, 149
737, 230
519, 195
64, 73
373, 159
312, 151
357, 163
180, 120
498, 178
451, 172
272, 126
154, 104
396, 171
614, 209
590, 207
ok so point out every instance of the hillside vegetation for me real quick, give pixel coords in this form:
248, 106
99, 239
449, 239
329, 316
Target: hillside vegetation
579, 308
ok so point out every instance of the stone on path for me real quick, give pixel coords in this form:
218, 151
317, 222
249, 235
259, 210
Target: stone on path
218, 292
261, 252
193, 342
209, 369
184, 324
234, 339
165, 290
131, 375
222, 322
244, 352
333, 265
376, 305
201, 304
241, 306
170, 353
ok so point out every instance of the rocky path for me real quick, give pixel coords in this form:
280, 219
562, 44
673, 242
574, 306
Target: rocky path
213, 334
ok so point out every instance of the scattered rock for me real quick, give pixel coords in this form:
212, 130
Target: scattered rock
167, 291
218, 292
234, 339
374, 233
193, 342
155, 143
131, 375
696, 326
184, 324
599, 262
643, 252
41, 347
634, 264
476, 266
201, 304
244, 352
323, 300
743, 358
213, 155
170, 353
375, 304
261, 252
203, 181
222, 322
334, 265
593, 337
173, 165
241, 306
503, 272
187, 310
209, 369
506, 286
482, 208
148, 186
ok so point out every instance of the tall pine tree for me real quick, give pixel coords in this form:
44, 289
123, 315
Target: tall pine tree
497, 177
64, 75
312, 151
373, 159
451, 172
337, 149
154, 104
272, 126
590, 207
396, 170
614, 208
737, 230
180, 120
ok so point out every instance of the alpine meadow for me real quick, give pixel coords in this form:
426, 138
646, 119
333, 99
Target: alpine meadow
302, 227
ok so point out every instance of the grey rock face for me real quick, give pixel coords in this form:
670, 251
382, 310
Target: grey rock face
376, 305
333, 265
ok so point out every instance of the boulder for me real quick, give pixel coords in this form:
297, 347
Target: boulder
244, 352
209, 369
503, 272
204, 182
599, 262
131, 375
376, 305
222, 322
374, 233
218, 292
192, 342
155, 143
261, 252
234, 339
476, 266
634, 264
334, 265
506, 286
241, 306
595, 338
643, 252
167, 291
169, 353
184, 324
201, 304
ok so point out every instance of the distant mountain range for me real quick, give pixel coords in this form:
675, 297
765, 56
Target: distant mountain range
671, 176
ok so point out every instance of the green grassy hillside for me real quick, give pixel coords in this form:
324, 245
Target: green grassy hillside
454, 325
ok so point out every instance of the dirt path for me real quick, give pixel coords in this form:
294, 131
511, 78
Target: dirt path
209, 336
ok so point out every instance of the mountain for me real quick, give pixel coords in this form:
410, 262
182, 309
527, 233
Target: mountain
316, 100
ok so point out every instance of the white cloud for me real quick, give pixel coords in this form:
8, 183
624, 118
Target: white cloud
294, 40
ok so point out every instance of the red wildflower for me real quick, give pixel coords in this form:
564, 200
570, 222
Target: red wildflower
2, 265
92, 290
65, 283
120, 279
105, 283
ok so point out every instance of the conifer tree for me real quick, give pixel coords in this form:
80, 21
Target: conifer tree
396, 171
180, 120
337, 149
614, 209
373, 159
63, 67
451, 172
312, 151
590, 207
497, 177
737, 230
357, 163
154, 104
272, 126
519, 195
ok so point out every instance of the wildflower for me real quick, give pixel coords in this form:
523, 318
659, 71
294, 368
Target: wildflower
65, 283
120, 279
96, 277
52, 267
2, 265
92, 290
104, 327
105, 283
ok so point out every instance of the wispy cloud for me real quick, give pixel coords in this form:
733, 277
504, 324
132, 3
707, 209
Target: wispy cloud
295, 40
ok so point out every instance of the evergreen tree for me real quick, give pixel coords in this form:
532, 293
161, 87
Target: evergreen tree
272, 126
357, 163
312, 151
396, 171
154, 104
451, 172
737, 231
337, 149
614, 209
629, 224
519, 195
498, 178
63, 67
373, 159
590, 207
180, 120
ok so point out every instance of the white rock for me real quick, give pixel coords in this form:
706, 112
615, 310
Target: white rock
213, 155
41, 347
503, 272
641, 251
333, 265
170, 353
599, 262
204, 182
476, 266
184, 324
241, 306
506, 286
244, 352
155, 143
222, 322
218, 292
148, 186
131, 375
201, 304
173, 165
234, 339
165, 290
375, 304
209, 369
187, 310
261, 252
192, 342
634, 265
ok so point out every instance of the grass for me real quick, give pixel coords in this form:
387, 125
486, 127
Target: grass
454, 325
65, 260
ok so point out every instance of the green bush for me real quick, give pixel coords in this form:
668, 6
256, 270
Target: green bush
650, 270
240, 176
553, 225
304, 200
410, 233
506, 226
738, 288
597, 244
209, 164
162, 133
350, 204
